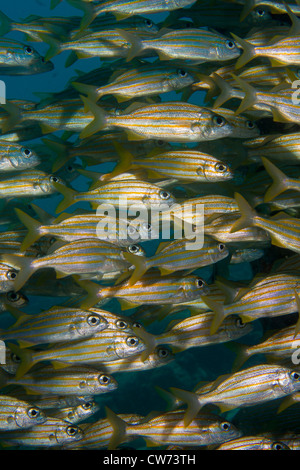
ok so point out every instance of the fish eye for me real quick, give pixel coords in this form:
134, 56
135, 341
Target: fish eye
87, 406
250, 124
11, 275
16, 359
163, 352
260, 12
33, 412
133, 249
160, 143
221, 167
104, 379
225, 426
164, 195
221, 247
199, 282
219, 121
278, 446
70, 168
148, 22
93, 320
54, 179
136, 325
230, 44
26, 152
182, 73
239, 323
13, 296
72, 430
132, 341
28, 50
295, 375
121, 324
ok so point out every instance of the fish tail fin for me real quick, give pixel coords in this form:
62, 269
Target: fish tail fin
242, 355
119, 429
23, 264
227, 92
124, 164
54, 4
247, 214
280, 180
136, 43
90, 90
33, 227
297, 300
218, 309
92, 290
248, 54
99, 121
55, 47
14, 117
250, 95
69, 196
25, 356
193, 404
61, 150
168, 397
248, 7
140, 267
5, 24
88, 10
148, 339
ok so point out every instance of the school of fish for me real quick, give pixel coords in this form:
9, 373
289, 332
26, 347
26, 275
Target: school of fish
157, 306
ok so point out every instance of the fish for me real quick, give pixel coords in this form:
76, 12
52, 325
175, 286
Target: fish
139, 82
258, 442
17, 414
16, 157
194, 45
175, 256
169, 428
119, 193
74, 380
183, 165
172, 121
92, 256
17, 58
257, 384
105, 346
75, 414
123, 10
28, 183
69, 228
283, 229
51, 433
58, 324
149, 290
276, 294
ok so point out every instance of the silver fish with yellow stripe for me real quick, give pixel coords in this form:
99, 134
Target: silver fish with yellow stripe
77, 257
74, 380
172, 121
249, 387
17, 414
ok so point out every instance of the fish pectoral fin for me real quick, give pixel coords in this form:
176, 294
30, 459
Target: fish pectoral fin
61, 274
131, 135
59, 364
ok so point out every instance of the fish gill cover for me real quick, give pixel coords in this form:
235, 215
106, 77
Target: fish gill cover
150, 227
